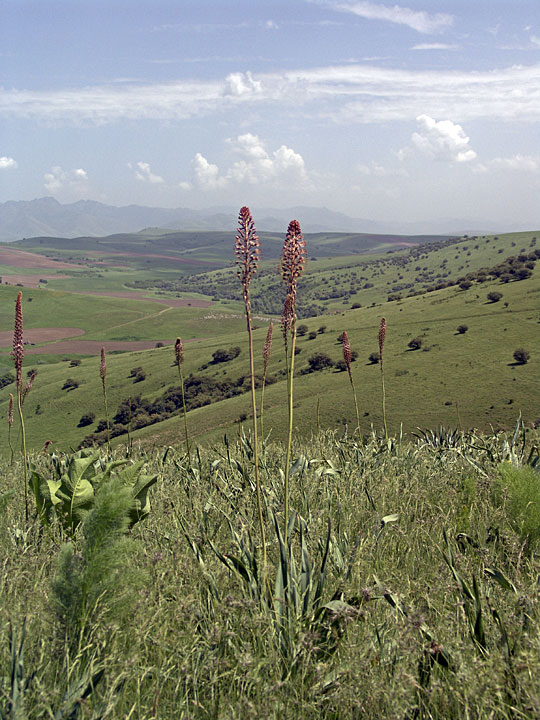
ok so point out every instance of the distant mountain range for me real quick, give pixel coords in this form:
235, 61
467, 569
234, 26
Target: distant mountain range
47, 217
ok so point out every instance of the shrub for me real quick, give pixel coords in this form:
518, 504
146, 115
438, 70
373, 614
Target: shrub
319, 361
462, 329
70, 384
415, 343
322, 329
521, 356
312, 335
222, 355
494, 296
75, 363
301, 330
465, 284
86, 419
374, 358
6, 379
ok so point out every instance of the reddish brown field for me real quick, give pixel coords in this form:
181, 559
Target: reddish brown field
40, 335
29, 280
171, 302
24, 259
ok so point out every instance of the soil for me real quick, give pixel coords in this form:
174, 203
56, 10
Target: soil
40, 335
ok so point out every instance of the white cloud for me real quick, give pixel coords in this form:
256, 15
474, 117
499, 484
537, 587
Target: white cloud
146, 175
418, 20
442, 140
271, 25
7, 163
518, 162
375, 169
535, 40
72, 181
434, 46
238, 84
255, 165
356, 93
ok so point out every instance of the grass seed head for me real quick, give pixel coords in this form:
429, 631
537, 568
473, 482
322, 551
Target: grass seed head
18, 342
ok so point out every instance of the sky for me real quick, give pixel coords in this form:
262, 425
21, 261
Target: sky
408, 112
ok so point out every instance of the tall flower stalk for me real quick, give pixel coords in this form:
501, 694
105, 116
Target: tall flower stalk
179, 358
347, 356
267, 349
382, 337
103, 376
10, 424
293, 259
18, 356
247, 259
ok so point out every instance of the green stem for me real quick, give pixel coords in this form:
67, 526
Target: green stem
188, 449
289, 440
23, 433
106, 416
262, 407
355, 406
10, 445
383, 401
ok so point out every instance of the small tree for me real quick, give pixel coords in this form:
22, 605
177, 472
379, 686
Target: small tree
312, 335
374, 358
86, 419
462, 329
494, 296
319, 361
70, 384
301, 330
521, 356
465, 284
415, 343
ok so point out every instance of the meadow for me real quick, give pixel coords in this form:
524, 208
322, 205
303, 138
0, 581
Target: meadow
372, 552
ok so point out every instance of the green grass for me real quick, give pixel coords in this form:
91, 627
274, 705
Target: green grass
428, 607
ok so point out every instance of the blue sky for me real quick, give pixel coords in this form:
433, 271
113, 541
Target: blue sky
415, 111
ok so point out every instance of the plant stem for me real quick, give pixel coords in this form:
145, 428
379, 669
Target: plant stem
188, 449
383, 401
23, 434
289, 439
107, 416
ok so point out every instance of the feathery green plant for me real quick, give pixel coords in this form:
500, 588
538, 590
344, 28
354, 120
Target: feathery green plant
293, 259
247, 259
96, 576
179, 359
347, 356
103, 376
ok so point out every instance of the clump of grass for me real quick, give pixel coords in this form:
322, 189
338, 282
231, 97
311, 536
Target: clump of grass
347, 356
267, 349
382, 337
18, 357
247, 259
293, 259
521, 486
103, 376
179, 359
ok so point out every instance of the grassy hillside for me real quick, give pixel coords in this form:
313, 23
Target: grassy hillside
472, 374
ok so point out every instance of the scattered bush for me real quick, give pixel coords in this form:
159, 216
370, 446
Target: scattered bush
521, 356
75, 363
322, 330
494, 296
6, 379
70, 384
312, 335
319, 361
301, 330
86, 419
462, 329
374, 358
222, 355
415, 343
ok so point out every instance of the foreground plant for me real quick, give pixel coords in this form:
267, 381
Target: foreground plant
247, 259
179, 359
293, 259
18, 356
103, 376
267, 349
382, 337
347, 356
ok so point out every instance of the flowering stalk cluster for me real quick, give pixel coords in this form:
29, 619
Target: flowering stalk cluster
18, 342
103, 376
247, 258
382, 337
179, 359
247, 252
267, 349
347, 356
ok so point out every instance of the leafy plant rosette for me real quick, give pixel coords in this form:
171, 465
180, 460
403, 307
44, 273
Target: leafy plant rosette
69, 491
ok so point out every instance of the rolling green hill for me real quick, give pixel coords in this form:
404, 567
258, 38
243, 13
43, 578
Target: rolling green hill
468, 378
